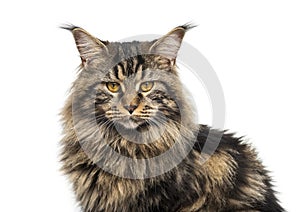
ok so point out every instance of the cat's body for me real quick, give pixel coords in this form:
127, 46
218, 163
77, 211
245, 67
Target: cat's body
129, 94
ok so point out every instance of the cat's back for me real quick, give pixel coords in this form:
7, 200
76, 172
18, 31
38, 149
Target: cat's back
234, 177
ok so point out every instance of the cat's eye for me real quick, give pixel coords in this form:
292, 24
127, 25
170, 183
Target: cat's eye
113, 86
146, 86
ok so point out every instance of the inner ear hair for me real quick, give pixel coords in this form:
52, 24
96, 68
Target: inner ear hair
88, 46
169, 45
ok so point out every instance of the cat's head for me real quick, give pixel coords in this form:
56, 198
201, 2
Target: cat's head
131, 85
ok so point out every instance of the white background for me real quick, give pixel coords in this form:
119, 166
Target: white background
253, 46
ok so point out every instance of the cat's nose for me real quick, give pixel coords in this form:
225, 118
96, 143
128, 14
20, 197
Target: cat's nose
130, 108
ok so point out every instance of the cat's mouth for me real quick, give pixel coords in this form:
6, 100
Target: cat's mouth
131, 122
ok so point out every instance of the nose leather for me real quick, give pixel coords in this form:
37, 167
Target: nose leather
130, 108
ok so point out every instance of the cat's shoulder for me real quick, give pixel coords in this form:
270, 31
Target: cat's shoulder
214, 141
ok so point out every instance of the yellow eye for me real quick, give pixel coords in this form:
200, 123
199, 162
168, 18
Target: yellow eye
146, 86
113, 86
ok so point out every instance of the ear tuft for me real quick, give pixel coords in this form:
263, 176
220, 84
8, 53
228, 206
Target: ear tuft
188, 26
68, 27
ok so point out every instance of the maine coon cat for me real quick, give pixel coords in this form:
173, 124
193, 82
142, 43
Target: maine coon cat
126, 108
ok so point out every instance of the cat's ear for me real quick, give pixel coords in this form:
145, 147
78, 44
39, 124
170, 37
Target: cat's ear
88, 46
168, 45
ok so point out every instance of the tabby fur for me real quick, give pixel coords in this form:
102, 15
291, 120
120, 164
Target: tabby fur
231, 179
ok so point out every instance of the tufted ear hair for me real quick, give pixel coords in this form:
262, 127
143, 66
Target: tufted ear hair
88, 46
168, 45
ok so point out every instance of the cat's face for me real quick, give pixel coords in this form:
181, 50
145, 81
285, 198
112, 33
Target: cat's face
135, 95
136, 84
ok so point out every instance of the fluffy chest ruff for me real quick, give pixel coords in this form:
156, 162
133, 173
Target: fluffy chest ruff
230, 179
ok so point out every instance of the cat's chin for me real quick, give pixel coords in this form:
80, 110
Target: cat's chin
131, 123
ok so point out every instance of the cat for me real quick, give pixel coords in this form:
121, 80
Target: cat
128, 107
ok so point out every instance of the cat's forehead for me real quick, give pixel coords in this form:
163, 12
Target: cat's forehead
138, 51
125, 50
132, 70
141, 67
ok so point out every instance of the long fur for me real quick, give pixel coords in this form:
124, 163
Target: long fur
232, 179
